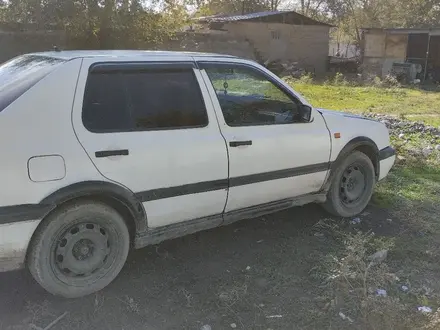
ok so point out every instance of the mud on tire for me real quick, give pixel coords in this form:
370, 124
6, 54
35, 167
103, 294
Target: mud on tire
79, 249
352, 186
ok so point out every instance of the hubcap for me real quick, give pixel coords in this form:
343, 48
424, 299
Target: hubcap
352, 185
82, 250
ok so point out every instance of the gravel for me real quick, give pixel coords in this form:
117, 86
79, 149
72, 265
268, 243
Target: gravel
402, 129
400, 126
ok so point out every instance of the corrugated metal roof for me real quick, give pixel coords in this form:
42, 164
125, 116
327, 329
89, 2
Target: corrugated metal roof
218, 18
432, 31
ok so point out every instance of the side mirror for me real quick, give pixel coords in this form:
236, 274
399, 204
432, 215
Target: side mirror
305, 113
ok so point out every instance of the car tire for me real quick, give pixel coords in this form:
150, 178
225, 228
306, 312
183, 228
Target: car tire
79, 249
352, 186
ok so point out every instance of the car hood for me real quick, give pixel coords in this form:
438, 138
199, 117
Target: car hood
344, 114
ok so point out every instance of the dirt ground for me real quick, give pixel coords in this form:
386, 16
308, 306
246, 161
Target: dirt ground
255, 274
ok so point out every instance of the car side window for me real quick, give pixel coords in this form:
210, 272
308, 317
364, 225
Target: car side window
152, 99
247, 97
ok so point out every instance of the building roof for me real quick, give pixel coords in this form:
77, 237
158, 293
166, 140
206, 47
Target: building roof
71, 54
432, 31
288, 17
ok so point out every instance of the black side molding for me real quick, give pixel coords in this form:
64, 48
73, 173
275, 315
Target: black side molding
25, 212
387, 153
240, 143
109, 153
108, 190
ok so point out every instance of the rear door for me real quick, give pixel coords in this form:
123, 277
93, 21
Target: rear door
146, 125
273, 154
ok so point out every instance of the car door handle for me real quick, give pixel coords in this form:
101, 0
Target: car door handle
234, 144
109, 153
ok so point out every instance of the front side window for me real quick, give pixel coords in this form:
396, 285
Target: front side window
247, 97
143, 100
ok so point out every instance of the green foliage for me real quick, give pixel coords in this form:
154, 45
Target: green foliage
210, 7
103, 24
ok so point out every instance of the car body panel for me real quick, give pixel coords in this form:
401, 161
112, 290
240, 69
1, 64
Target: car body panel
177, 188
160, 159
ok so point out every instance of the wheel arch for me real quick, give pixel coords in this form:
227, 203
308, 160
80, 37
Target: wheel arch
362, 144
116, 196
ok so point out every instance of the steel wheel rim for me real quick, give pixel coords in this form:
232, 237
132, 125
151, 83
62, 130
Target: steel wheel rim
83, 253
353, 185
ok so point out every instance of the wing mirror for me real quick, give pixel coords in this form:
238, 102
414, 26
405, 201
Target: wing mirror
305, 113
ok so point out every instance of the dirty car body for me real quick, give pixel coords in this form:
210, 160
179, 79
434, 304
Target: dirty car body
112, 149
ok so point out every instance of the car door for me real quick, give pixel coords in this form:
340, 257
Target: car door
273, 154
146, 125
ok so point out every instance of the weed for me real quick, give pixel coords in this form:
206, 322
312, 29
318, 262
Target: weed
353, 275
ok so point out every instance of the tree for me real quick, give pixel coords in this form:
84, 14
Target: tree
101, 23
235, 6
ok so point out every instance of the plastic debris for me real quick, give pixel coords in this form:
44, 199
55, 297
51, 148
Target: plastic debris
345, 317
260, 241
379, 256
233, 325
404, 288
365, 214
248, 268
401, 136
274, 316
381, 292
319, 234
355, 221
425, 309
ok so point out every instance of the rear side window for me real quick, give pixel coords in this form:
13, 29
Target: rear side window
21, 73
143, 100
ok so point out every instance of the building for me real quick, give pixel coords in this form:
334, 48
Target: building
277, 35
383, 47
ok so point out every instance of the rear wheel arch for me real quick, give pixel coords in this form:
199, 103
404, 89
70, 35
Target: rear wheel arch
115, 196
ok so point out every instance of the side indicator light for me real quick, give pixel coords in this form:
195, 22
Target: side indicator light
337, 135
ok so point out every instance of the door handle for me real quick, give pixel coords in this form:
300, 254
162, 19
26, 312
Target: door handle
109, 153
234, 144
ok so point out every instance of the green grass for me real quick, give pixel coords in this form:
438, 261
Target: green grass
416, 104
410, 199
414, 183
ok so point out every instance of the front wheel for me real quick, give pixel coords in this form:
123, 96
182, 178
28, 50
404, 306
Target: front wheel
79, 249
352, 186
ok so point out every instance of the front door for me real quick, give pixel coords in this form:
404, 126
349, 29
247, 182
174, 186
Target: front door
273, 154
145, 125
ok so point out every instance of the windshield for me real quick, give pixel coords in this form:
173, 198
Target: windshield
21, 73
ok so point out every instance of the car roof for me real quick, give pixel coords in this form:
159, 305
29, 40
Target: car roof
72, 54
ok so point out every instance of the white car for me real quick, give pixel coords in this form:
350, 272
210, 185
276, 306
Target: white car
107, 150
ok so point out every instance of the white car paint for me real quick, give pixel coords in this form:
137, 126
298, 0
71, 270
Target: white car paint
385, 166
274, 148
39, 123
46, 120
159, 159
14, 239
352, 126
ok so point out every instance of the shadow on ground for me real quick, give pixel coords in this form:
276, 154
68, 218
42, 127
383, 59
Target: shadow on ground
255, 273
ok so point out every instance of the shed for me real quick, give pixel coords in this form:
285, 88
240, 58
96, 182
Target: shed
383, 47
278, 35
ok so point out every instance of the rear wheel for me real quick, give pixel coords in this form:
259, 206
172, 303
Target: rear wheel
352, 186
79, 249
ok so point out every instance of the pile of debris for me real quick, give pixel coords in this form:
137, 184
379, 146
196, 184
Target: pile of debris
398, 125
285, 68
403, 129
